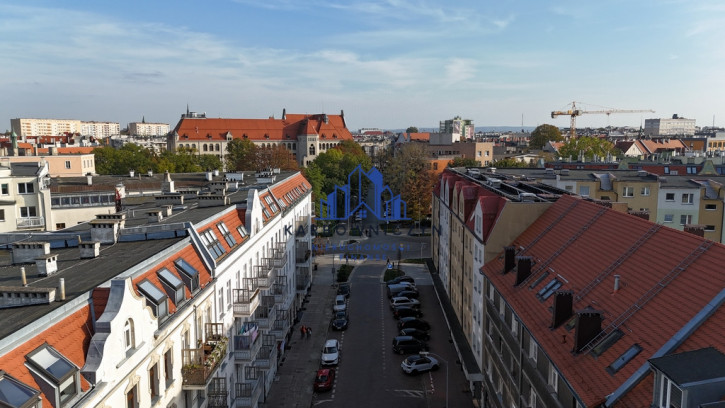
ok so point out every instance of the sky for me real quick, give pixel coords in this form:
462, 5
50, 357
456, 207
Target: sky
387, 64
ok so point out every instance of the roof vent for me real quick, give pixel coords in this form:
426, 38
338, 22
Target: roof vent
47, 265
563, 304
509, 258
588, 326
523, 270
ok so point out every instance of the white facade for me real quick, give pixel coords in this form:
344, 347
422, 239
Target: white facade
477, 293
678, 206
100, 129
24, 127
148, 129
24, 200
669, 127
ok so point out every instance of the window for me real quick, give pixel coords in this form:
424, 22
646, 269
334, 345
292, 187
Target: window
28, 212
227, 235
188, 274
242, 231
60, 225
155, 298
4, 190
63, 374
168, 366
553, 378
584, 191
221, 300
549, 289
15, 393
67, 164
709, 228
667, 169
691, 170
670, 197
154, 382
711, 206
491, 291
26, 188
2, 215
514, 325
501, 306
685, 219
628, 192
173, 286
532, 398
669, 217
229, 294
131, 398
533, 349
687, 198
644, 191
625, 358
212, 243
129, 337
670, 394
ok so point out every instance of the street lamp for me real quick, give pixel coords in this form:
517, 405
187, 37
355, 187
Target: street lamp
425, 353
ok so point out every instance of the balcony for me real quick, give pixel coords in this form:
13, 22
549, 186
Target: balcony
245, 301
199, 364
30, 222
247, 393
302, 254
264, 274
279, 289
247, 342
279, 255
265, 315
281, 325
217, 393
304, 223
302, 279
267, 353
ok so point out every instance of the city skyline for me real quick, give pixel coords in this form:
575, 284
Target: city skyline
387, 64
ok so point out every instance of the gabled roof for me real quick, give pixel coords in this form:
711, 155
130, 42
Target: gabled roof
667, 278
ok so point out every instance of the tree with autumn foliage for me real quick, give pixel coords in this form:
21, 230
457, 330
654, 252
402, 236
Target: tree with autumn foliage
408, 173
588, 146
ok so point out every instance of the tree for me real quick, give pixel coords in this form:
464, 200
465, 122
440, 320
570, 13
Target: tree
408, 174
509, 163
588, 146
542, 134
208, 162
240, 155
411, 129
464, 162
276, 156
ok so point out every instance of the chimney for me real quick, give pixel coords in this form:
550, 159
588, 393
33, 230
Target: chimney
523, 270
509, 258
89, 180
23, 277
61, 284
89, 249
216, 172
131, 173
588, 326
47, 265
208, 176
563, 307
616, 283
150, 173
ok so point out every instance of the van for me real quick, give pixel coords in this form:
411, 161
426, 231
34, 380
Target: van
408, 344
393, 290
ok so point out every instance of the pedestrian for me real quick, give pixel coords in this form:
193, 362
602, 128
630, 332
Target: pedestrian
309, 332
303, 330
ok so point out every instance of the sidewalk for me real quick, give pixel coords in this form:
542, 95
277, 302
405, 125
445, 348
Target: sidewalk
292, 387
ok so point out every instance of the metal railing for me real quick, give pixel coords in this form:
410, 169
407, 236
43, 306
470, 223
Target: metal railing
217, 393
265, 315
247, 343
247, 393
199, 364
264, 274
245, 301
30, 222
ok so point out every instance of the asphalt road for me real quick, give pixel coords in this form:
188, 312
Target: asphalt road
369, 373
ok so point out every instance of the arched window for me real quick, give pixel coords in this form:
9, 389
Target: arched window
312, 150
129, 337
217, 148
205, 147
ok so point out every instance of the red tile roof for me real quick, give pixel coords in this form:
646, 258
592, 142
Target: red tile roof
68, 150
264, 129
578, 241
69, 336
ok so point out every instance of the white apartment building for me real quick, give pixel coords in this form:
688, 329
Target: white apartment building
24, 127
100, 130
24, 197
676, 126
148, 129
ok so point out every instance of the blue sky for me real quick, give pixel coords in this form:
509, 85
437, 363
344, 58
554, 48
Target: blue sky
388, 64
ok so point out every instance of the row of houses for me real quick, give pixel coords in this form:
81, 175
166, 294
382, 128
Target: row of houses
185, 299
567, 302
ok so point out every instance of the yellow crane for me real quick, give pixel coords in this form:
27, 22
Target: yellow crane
574, 112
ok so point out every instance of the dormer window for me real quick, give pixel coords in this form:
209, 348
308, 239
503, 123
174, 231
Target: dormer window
334, 136
155, 298
16, 394
266, 136
227, 234
57, 371
212, 243
173, 286
242, 231
188, 274
244, 136
692, 374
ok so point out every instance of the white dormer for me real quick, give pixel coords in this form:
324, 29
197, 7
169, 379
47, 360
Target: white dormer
253, 216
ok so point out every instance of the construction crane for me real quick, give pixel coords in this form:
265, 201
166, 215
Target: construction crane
574, 112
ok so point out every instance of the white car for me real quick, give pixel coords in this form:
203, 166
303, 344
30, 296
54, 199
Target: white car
340, 304
404, 301
419, 363
330, 353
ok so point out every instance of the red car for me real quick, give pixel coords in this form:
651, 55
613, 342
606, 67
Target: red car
324, 379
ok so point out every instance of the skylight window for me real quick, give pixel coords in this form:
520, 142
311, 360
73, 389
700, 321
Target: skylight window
173, 285
268, 200
53, 366
189, 274
227, 235
625, 358
274, 208
266, 213
242, 231
607, 342
539, 280
549, 289
14, 393
211, 242
155, 298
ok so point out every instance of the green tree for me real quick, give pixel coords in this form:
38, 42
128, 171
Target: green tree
588, 146
411, 129
208, 162
276, 156
508, 163
240, 155
544, 133
408, 174
464, 162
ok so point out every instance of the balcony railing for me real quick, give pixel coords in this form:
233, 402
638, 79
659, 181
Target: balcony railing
264, 274
217, 393
281, 325
267, 353
279, 289
302, 254
247, 342
245, 301
30, 222
302, 278
265, 315
247, 393
199, 364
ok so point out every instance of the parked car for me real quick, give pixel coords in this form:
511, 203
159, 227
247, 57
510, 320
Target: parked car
416, 333
340, 321
330, 353
412, 322
419, 363
344, 289
340, 304
324, 379
401, 278
406, 311
394, 290
407, 344
410, 294
404, 301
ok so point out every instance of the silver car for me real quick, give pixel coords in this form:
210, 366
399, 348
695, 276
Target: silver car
419, 363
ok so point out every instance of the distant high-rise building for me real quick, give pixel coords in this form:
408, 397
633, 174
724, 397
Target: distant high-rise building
461, 129
676, 126
100, 129
25, 127
144, 128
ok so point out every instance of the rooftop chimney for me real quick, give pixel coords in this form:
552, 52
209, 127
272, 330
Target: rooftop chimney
61, 284
509, 258
89, 249
588, 326
23, 277
89, 180
523, 270
131, 173
563, 303
616, 283
47, 265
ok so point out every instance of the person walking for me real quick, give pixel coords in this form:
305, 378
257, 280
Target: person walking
309, 332
303, 330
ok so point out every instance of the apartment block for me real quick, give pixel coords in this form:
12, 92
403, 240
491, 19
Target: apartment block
675, 126
25, 127
148, 129
100, 130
